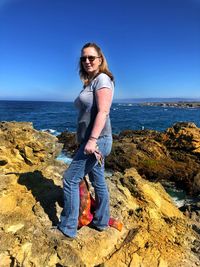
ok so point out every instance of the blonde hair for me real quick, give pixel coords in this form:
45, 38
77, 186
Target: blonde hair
103, 68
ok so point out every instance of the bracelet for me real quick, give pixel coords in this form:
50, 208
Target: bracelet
92, 137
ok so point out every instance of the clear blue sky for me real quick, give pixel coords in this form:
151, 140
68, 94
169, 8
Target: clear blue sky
152, 46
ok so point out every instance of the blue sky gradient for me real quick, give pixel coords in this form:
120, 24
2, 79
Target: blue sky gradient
152, 47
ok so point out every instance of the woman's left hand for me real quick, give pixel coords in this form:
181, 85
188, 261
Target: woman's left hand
90, 147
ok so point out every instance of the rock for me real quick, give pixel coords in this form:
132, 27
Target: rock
151, 234
196, 183
184, 136
69, 142
155, 232
183, 143
192, 211
137, 149
152, 154
14, 228
22, 147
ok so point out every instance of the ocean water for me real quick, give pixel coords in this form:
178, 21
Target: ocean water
61, 116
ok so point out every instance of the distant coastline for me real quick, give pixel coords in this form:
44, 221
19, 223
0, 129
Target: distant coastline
157, 100
181, 104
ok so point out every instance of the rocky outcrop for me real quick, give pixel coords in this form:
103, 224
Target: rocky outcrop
24, 148
172, 156
68, 140
183, 136
155, 232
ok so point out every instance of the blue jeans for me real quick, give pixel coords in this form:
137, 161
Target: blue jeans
81, 165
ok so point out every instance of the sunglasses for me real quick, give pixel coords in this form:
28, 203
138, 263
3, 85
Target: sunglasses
90, 58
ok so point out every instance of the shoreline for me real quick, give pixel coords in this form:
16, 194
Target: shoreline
179, 104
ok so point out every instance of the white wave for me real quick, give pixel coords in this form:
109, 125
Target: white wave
108, 173
63, 157
51, 131
178, 202
125, 104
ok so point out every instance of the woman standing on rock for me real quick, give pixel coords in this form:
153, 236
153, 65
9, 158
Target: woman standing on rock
95, 138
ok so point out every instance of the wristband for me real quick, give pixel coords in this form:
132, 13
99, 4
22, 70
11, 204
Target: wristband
92, 137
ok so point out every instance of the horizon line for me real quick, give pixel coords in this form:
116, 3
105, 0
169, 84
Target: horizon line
135, 99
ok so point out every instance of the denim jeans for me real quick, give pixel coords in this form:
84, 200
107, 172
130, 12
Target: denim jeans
80, 166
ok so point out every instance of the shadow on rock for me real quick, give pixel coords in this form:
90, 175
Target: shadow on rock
44, 191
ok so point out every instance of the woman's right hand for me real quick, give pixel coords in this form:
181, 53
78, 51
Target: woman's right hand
90, 147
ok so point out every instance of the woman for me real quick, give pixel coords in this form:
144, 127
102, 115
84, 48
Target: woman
95, 138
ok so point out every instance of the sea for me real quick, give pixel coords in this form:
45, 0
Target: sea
61, 116
56, 117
